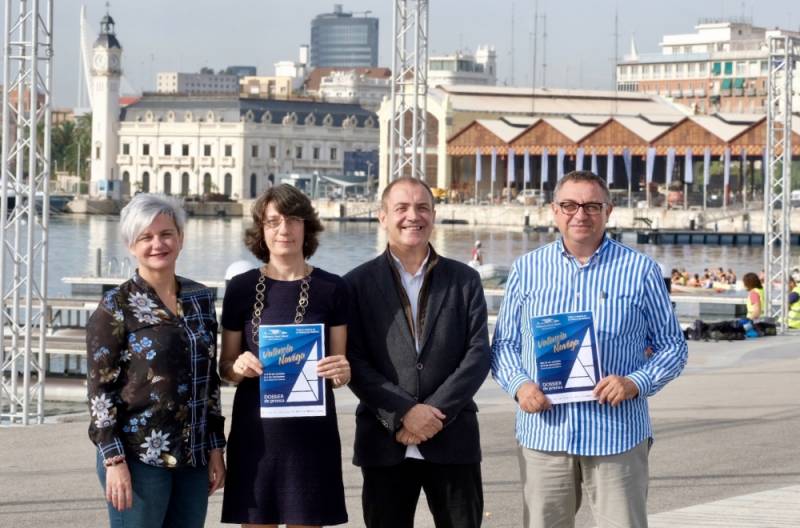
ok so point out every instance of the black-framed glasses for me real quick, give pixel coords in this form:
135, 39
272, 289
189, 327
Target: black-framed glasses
590, 208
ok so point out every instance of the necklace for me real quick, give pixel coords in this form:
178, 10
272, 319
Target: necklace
261, 288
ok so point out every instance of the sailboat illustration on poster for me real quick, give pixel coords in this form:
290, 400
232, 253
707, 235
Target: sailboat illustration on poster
567, 356
290, 386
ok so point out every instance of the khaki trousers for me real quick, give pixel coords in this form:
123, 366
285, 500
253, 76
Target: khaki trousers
616, 486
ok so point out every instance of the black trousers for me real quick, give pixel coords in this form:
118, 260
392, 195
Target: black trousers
454, 493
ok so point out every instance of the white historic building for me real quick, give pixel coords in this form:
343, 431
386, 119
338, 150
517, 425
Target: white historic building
196, 144
192, 145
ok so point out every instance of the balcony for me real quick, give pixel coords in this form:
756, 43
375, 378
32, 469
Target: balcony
144, 160
124, 159
165, 160
185, 161
227, 161
206, 161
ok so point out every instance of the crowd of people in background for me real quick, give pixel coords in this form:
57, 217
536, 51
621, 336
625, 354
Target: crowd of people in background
710, 278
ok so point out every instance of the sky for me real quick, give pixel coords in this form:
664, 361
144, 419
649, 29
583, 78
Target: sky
185, 35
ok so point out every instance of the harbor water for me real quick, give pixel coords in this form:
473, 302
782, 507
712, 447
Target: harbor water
212, 244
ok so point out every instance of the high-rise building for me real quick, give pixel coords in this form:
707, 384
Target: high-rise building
722, 67
340, 39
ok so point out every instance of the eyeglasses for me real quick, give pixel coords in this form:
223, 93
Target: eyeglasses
590, 208
276, 221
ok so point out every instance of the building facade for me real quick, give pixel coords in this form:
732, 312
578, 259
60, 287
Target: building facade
462, 68
339, 39
192, 145
355, 86
205, 82
722, 67
266, 87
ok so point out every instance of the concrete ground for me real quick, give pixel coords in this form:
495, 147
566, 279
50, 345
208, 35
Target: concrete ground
725, 452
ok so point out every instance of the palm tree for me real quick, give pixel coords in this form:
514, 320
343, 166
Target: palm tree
71, 140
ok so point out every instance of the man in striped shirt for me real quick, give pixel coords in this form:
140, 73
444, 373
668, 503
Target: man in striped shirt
603, 444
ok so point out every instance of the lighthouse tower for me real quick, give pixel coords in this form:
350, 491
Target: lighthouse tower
106, 73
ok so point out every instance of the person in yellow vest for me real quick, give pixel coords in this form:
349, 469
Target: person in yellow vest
755, 296
793, 319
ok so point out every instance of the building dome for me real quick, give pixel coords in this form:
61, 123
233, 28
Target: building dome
107, 37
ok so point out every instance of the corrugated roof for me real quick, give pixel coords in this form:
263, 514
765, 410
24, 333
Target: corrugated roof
504, 100
642, 128
568, 127
502, 129
718, 127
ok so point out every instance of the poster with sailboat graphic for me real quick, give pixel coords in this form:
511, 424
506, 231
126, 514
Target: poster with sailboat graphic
290, 386
567, 356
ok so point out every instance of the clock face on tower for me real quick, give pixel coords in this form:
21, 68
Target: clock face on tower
114, 62
100, 61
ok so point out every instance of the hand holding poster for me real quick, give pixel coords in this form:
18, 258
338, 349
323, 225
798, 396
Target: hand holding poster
567, 356
290, 386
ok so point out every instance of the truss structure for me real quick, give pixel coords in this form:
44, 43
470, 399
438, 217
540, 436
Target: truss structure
24, 208
407, 125
784, 52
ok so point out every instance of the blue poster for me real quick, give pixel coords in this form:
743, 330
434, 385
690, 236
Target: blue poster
289, 355
567, 356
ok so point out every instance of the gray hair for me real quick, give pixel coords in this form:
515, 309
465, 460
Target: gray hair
143, 209
583, 176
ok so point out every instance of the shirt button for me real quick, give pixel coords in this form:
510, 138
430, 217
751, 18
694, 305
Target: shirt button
419, 366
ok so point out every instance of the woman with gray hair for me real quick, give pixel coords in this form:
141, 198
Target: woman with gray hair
152, 380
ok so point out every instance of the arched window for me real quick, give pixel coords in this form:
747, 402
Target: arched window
167, 183
184, 184
206, 183
126, 177
228, 189
253, 180
146, 182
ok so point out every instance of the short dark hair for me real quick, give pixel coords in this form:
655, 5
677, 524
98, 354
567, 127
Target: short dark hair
583, 176
289, 201
751, 280
405, 179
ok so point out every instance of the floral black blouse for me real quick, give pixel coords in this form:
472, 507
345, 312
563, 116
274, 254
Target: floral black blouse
152, 375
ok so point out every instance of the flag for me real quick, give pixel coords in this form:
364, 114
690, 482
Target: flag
526, 167
610, 168
744, 168
670, 165
579, 159
706, 166
560, 164
726, 168
478, 165
688, 176
545, 174
626, 158
650, 164
494, 165
512, 177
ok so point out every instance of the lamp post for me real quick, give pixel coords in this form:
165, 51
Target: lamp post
369, 179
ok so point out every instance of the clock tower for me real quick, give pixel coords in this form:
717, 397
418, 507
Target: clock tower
106, 73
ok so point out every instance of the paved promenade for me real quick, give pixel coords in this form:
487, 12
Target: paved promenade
725, 452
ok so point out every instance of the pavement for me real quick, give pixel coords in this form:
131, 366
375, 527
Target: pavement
725, 452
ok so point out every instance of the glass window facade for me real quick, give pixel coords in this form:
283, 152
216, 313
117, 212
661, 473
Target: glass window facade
344, 40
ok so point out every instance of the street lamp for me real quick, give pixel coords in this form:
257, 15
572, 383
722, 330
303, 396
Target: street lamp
369, 179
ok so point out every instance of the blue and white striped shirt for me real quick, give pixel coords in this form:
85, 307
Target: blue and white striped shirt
625, 291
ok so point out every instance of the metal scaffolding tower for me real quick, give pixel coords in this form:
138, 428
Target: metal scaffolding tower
27, 62
407, 130
784, 52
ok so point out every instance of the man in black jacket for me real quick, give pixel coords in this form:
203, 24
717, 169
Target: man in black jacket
419, 350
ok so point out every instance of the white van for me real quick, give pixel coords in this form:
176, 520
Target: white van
794, 198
